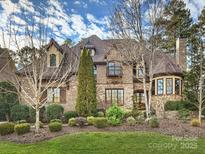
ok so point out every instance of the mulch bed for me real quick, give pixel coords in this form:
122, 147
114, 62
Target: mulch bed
168, 127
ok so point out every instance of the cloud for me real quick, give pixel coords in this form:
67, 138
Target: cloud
99, 2
53, 16
195, 7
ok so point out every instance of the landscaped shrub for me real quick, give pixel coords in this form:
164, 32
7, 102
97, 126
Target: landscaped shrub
184, 114
154, 122
81, 121
21, 121
56, 120
195, 122
178, 105
140, 119
20, 112
131, 121
69, 114
7, 100
72, 122
114, 115
54, 111
55, 126
100, 122
100, 114
6, 128
22, 128
90, 120
32, 115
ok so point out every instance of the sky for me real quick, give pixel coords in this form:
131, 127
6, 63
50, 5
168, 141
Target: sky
73, 19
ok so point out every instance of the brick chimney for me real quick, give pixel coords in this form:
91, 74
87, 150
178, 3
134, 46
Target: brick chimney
181, 53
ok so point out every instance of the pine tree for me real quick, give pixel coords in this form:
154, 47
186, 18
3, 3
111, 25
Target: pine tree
176, 22
86, 93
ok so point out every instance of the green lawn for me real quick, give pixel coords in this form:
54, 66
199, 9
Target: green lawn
109, 143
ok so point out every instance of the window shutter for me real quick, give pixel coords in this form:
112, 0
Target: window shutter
63, 95
44, 96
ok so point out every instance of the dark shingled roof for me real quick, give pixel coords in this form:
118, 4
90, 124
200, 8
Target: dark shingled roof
162, 65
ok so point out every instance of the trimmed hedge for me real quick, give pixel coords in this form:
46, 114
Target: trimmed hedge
100, 122
20, 112
100, 114
22, 128
55, 126
69, 114
6, 128
32, 115
54, 111
72, 122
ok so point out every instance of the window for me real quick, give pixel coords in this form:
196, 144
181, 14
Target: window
140, 72
153, 87
114, 69
52, 60
114, 96
160, 87
169, 86
177, 86
140, 97
53, 95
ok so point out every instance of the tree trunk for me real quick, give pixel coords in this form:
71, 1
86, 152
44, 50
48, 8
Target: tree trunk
37, 120
200, 115
144, 87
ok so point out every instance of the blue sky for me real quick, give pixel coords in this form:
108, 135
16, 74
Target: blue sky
74, 19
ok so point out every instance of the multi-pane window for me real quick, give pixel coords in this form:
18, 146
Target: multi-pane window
52, 60
169, 86
140, 97
114, 96
114, 69
160, 87
53, 95
177, 86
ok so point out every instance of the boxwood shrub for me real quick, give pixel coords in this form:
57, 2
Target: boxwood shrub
69, 114
72, 122
90, 120
178, 105
131, 121
20, 112
22, 128
56, 120
54, 111
100, 122
6, 128
154, 122
55, 126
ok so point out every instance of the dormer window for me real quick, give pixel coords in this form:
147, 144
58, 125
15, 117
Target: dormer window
114, 69
53, 60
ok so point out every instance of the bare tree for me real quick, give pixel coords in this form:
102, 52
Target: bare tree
35, 77
139, 30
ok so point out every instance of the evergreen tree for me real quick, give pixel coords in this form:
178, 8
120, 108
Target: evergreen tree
86, 92
176, 22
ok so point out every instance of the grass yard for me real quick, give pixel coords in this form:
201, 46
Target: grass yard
109, 143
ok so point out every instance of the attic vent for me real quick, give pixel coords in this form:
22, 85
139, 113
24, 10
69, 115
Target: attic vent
91, 49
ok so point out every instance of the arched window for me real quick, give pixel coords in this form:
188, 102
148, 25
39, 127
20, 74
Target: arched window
52, 60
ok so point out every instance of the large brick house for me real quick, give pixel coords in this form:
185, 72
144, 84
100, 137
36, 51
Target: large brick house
117, 81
